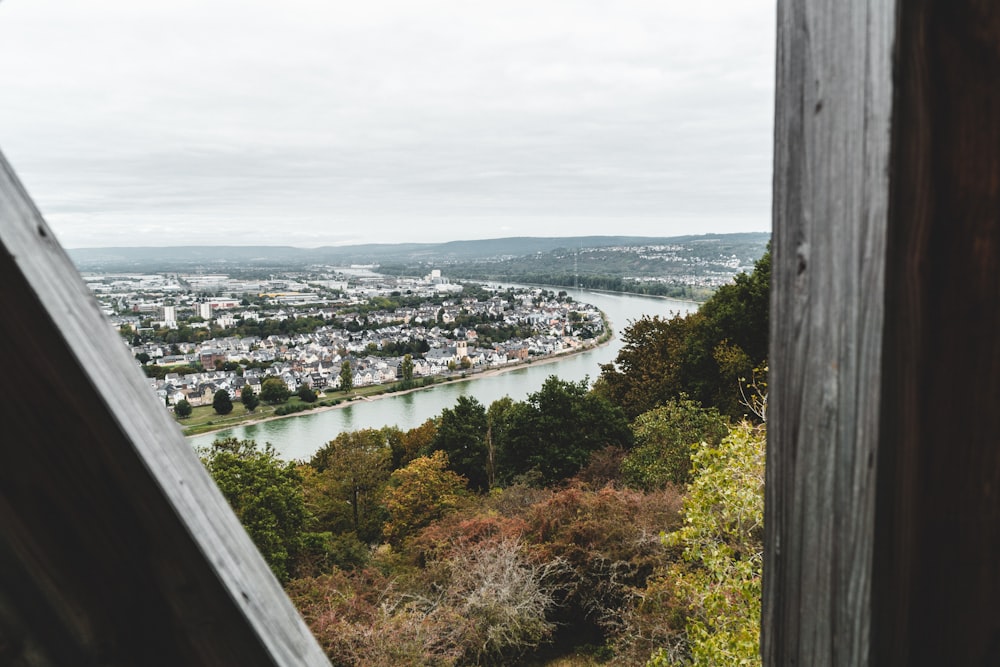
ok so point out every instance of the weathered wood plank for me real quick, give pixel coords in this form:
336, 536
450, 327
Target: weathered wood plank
937, 537
115, 545
832, 141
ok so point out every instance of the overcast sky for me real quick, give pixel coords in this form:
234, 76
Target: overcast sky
319, 123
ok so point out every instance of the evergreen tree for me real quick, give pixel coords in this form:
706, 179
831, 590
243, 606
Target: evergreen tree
222, 403
461, 435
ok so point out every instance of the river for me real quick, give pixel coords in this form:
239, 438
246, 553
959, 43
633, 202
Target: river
298, 437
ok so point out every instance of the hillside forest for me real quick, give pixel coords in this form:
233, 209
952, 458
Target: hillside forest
618, 524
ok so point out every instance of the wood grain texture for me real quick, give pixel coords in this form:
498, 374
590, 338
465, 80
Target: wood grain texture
937, 538
115, 546
832, 143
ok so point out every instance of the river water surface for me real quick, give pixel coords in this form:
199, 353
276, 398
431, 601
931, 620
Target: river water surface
298, 437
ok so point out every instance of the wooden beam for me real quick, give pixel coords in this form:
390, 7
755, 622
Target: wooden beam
115, 545
832, 144
937, 534
883, 488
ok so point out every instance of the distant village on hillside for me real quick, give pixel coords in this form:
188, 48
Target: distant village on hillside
198, 333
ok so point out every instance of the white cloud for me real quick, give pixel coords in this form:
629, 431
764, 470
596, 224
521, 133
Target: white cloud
229, 122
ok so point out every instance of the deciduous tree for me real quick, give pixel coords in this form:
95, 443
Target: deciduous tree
355, 466
498, 422
722, 540
249, 398
418, 494
346, 376
554, 432
416, 441
406, 368
306, 394
274, 390
265, 493
703, 355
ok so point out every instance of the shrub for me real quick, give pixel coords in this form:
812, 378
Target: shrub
610, 540
505, 598
183, 408
665, 437
718, 585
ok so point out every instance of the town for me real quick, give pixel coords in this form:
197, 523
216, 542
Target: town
330, 329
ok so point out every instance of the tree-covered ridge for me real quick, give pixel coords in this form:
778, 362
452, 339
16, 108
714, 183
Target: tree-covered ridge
685, 267
264, 258
622, 527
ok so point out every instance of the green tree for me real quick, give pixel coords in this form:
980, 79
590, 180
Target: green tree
265, 493
306, 394
355, 467
346, 376
183, 408
143, 358
554, 432
648, 368
703, 355
719, 582
249, 398
498, 420
406, 368
664, 440
274, 390
461, 434
222, 403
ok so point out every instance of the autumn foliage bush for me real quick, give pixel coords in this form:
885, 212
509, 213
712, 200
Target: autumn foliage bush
360, 618
457, 578
486, 603
710, 599
494, 579
610, 541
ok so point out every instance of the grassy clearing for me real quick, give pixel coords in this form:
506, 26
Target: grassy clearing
204, 419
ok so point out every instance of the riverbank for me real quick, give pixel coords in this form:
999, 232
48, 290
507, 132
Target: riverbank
375, 394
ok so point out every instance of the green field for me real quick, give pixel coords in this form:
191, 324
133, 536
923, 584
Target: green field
204, 418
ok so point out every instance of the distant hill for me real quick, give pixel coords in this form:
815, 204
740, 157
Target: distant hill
688, 267
400, 255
